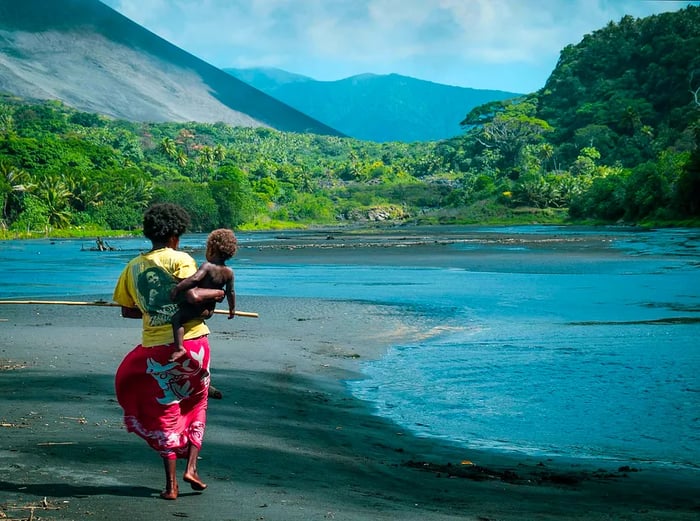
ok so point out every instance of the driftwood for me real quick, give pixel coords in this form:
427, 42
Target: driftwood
110, 304
100, 245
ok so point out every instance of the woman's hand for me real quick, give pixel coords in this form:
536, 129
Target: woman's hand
131, 312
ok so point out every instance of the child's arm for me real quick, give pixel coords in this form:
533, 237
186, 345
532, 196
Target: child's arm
189, 283
231, 296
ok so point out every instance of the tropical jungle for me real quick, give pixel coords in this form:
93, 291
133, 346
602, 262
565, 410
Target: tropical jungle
613, 136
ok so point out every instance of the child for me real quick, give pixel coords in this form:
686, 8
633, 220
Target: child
212, 274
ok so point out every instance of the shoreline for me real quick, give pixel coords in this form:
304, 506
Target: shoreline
287, 442
372, 227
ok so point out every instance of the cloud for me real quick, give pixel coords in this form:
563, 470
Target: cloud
439, 40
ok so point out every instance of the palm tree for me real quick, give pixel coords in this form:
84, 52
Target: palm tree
537, 191
205, 161
182, 159
219, 153
13, 181
84, 192
54, 193
305, 180
7, 124
545, 152
168, 147
136, 193
7, 120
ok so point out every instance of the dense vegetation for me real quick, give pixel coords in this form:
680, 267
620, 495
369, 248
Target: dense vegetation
614, 132
614, 135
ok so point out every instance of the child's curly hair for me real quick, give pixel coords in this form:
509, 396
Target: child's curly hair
165, 220
224, 242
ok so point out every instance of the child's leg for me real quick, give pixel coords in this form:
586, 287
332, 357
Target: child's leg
178, 320
199, 296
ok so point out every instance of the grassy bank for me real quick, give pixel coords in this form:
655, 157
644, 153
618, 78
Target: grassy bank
516, 217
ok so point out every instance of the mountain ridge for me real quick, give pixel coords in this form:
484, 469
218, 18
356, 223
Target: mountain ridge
91, 57
375, 107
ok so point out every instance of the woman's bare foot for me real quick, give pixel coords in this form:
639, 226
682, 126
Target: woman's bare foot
194, 481
213, 392
170, 493
171, 488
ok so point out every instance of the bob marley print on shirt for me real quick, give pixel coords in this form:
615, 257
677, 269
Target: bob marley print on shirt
153, 286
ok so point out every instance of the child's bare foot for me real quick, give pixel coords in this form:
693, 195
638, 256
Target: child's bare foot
194, 481
169, 493
215, 393
177, 354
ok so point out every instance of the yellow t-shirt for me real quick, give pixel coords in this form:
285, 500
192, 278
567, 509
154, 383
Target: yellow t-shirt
146, 282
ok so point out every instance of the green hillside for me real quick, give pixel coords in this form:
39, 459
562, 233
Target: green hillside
616, 143
614, 132
626, 89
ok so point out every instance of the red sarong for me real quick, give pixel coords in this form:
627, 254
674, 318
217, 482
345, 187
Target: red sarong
164, 402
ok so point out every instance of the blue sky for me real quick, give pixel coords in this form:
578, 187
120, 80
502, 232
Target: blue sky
510, 45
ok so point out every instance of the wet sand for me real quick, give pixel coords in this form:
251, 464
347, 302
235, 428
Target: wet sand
426, 246
287, 442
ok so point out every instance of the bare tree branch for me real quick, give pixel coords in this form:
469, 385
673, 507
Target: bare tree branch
484, 143
696, 92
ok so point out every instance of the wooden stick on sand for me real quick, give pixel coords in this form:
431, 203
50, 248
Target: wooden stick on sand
109, 304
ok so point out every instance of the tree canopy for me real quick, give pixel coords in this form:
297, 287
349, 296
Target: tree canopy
613, 135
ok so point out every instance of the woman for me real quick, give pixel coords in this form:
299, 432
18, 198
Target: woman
164, 402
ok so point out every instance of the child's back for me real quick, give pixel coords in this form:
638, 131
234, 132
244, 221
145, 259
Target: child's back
211, 283
213, 276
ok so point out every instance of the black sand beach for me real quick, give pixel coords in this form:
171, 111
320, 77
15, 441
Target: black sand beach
287, 442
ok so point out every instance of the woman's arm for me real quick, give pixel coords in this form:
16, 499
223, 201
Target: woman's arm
131, 312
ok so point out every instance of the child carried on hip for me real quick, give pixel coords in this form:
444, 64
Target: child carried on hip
212, 282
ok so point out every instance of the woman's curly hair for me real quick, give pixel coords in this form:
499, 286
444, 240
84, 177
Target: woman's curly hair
224, 242
165, 220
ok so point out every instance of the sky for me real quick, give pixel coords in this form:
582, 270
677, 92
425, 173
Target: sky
509, 45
